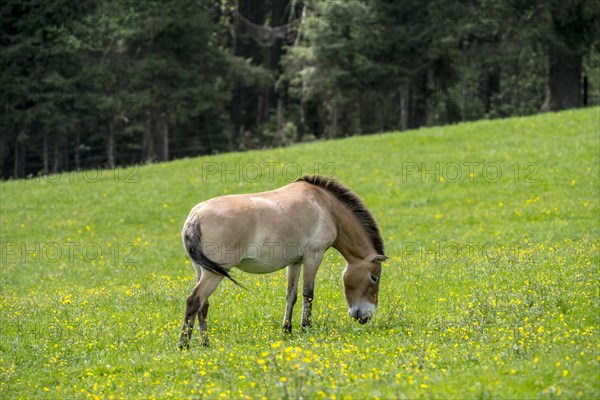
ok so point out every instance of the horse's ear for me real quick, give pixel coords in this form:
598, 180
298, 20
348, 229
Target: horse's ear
379, 258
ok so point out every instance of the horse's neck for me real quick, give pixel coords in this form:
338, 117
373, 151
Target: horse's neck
352, 241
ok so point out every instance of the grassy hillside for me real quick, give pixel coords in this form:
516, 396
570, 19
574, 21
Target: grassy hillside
491, 289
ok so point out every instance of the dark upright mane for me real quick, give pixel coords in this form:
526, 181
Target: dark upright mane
353, 203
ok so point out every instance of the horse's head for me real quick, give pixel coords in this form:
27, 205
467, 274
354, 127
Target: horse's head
361, 283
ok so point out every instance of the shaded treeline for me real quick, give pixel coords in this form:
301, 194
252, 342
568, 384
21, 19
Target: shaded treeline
105, 83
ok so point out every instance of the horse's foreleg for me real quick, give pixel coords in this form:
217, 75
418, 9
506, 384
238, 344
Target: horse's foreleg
293, 272
311, 265
197, 305
307, 294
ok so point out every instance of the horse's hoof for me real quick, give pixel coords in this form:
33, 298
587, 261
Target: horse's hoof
204, 342
183, 345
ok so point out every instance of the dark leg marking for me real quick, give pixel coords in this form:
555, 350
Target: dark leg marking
308, 294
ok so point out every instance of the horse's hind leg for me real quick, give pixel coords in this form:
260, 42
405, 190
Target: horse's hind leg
293, 272
197, 302
198, 271
202, 316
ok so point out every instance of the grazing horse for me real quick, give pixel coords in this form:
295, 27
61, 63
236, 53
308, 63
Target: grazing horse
290, 226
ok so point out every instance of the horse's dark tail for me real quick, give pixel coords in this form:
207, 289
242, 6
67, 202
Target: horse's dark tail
191, 241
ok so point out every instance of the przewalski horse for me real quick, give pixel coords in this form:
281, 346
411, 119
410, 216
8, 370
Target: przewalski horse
290, 226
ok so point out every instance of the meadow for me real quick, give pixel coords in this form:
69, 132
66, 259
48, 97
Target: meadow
491, 289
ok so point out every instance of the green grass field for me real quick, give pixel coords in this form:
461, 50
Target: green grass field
491, 289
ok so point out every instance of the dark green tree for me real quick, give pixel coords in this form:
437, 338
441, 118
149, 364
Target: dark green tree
572, 27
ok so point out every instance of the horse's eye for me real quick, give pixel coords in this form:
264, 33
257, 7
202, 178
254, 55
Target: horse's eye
374, 278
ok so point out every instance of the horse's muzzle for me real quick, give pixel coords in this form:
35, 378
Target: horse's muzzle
360, 316
362, 320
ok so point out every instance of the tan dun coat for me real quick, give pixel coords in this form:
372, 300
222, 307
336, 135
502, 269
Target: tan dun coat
289, 227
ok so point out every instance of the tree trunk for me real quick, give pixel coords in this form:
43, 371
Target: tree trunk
302, 126
331, 129
585, 90
77, 145
566, 47
355, 120
262, 101
237, 102
19, 166
161, 137
110, 146
281, 121
492, 87
45, 153
275, 51
403, 115
418, 101
56, 158
148, 138
245, 102
564, 80
65, 153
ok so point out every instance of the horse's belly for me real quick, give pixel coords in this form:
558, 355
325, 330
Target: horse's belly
259, 266
273, 254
